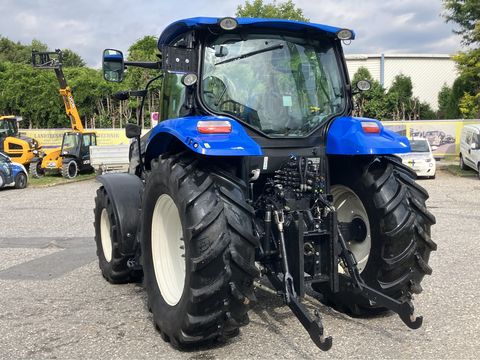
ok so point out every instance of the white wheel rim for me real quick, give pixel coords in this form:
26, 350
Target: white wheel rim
349, 207
168, 250
105, 235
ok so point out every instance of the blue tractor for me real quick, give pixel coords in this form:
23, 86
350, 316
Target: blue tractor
12, 173
257, 169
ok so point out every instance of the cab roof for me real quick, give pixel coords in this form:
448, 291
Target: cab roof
182, 26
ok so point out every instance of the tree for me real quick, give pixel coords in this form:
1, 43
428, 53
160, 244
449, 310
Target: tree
259, 9
466, 14
144, 49
465, 91
71, 59
444, 99
369, 103
18, 53
399, 98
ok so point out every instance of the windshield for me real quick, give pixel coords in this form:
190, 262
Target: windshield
70, 144
280, 85
8, 127
419, 146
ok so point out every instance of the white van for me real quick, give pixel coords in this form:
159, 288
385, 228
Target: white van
470, 148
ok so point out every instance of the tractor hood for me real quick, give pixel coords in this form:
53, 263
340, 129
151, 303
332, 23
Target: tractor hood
182, 26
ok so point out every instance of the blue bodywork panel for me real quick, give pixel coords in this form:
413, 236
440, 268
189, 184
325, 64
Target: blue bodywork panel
17, 168
179, 27
346, 137
236, 143
10, 170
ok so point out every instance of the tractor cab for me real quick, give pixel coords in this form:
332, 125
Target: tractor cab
8, 126
75, 152
75, 144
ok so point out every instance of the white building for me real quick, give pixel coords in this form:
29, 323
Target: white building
429, 72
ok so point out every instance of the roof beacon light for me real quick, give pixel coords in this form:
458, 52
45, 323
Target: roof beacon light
345, 34
370, 127
228, 23
214, 127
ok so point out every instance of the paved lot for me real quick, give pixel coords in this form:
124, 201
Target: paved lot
55, 304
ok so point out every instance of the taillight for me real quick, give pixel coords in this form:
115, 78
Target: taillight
370, 127
214, 127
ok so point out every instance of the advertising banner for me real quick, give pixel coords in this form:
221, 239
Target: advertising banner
443, 135
53, 137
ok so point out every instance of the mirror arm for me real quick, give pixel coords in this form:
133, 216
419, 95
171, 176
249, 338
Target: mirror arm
145, 64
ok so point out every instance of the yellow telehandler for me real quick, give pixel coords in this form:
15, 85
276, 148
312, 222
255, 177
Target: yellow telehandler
74, 154
19, 148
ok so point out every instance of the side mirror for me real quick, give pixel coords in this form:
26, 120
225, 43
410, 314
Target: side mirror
473, 146
363, 85
434, 147
132, 131
113, 65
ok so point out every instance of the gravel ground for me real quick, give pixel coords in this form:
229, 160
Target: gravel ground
55, 304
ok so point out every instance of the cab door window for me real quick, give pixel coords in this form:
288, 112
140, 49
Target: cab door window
468, 138
4, 165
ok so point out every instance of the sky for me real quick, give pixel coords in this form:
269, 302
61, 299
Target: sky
89, 26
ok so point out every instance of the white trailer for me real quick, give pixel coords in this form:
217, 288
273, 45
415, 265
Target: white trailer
112, 158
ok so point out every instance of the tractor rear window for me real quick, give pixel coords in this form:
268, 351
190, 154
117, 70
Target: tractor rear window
281, 85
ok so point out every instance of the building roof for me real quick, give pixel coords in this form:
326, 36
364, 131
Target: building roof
179, 27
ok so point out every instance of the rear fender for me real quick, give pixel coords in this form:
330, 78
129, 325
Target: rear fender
184, 130
347, 137
125, 192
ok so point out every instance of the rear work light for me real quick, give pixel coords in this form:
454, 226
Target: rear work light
370, 127
214, 127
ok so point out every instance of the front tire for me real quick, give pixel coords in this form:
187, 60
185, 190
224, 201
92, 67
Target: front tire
200, 289
36, 170
112, 263
70, 169
399, 227
21, 181
462, 163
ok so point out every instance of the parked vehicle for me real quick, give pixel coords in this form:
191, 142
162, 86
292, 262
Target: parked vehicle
114, 158
470, 148
420, 158
12, 173
18, 147
73, 156
256, 168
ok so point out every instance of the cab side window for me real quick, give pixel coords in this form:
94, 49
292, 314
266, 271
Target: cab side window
173, 96
476, 139
87, 140
468, 138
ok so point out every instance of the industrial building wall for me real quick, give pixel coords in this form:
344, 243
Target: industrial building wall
429, 72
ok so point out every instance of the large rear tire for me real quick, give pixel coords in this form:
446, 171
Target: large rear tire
398, 227
112, 263
198, 251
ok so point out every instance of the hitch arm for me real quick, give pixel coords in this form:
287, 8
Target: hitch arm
404, 309
314, 326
